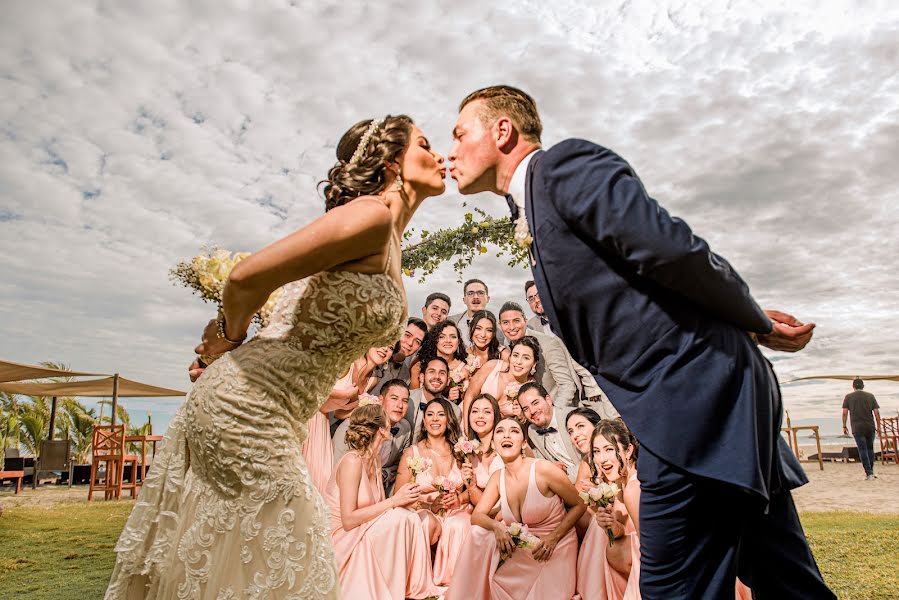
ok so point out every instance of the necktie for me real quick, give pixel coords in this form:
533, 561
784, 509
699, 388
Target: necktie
394, 430
545, 430
513, 208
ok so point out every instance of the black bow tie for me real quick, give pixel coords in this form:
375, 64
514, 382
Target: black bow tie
543, 320
394, 430
513, 208
422, 406
545, 430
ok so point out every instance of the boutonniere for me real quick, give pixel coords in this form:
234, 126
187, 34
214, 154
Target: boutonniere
522, 233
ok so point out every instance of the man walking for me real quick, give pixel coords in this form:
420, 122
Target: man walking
863, 410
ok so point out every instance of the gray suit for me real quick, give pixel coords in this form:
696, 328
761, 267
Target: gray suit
415, 416
554, 370
584, 382
535, 324
401, 440
393, 371
568, 455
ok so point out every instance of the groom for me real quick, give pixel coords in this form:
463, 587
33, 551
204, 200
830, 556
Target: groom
669, 330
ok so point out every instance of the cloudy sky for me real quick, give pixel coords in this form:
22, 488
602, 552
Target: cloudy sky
131, 134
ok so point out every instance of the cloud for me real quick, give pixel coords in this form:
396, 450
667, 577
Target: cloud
133, 134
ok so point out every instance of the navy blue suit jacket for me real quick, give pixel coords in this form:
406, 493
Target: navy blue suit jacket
658, 319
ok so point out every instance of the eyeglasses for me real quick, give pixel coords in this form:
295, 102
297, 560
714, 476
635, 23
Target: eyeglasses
473, 293
532, 297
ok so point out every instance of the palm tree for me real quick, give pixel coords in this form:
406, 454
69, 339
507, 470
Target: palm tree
34, 418
76, 422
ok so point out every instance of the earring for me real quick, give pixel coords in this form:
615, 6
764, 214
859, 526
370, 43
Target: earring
398, 182
534, 371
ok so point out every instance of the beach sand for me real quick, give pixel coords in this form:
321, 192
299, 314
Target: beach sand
840, 486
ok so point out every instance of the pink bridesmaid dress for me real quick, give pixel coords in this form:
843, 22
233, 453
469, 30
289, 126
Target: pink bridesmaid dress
596, 579
492, 386
454, 525
521, 577
318, 449
389, 557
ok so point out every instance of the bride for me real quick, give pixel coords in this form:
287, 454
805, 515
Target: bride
228, 510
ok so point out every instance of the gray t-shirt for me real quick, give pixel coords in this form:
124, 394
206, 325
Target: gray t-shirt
861, 405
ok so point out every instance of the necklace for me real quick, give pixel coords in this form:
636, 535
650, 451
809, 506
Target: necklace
434, 452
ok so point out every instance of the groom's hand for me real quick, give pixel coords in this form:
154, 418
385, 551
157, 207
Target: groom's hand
789, 334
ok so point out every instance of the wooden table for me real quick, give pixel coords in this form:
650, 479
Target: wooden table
143, 440
17, 475
794, 441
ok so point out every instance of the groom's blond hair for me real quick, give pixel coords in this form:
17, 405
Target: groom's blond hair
507, 101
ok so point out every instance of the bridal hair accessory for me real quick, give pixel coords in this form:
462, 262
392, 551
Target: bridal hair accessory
366, 138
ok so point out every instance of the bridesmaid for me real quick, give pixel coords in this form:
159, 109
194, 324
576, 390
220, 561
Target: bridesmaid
532, 492
318, 449
382, 550
580, 423
496, 375
614, 459
603, 572
480, 421
445, 515
482, 335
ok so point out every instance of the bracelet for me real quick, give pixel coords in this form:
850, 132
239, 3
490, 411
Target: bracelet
220, 323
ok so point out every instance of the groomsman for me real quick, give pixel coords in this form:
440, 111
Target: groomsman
434, 382
399, 365
475, 296
588, 392
547, 433
553, 372
394, 396
436, 308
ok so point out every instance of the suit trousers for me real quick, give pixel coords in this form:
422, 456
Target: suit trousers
697, 535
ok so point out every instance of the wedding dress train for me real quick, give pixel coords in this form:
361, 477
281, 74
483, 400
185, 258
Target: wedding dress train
228, 510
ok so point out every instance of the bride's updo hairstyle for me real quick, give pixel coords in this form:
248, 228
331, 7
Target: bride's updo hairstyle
364, 425
363, 154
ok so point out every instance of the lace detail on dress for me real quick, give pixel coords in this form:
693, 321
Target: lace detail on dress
227, 510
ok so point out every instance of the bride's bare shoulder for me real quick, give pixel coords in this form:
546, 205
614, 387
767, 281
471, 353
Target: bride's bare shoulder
366, 216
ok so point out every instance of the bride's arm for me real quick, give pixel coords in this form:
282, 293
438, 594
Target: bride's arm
342, 235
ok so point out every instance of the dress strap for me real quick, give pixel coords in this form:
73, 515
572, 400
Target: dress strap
532, 479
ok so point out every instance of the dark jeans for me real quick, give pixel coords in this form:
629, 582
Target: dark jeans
865, 442
697, 535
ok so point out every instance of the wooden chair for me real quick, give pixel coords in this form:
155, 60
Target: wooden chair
109, 448
55, 456
889, 440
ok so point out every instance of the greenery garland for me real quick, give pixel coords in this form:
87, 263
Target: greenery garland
462, 243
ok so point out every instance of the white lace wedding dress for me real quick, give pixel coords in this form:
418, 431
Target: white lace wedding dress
227, 510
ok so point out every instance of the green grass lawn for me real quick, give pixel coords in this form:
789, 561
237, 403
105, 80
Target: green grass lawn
65, 552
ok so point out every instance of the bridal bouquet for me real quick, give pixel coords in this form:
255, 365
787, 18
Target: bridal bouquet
418, 465
446, 483
511, 391
459, 377
367, 399
521, 538
601, 496
472, 364
207, 273
465, 448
